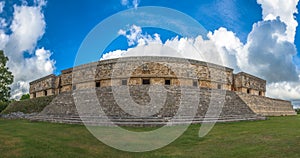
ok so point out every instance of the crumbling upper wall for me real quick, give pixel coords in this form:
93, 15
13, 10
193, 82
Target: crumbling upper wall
43, 86
144, 71
156, 70
250, 84
267, 106
66, 80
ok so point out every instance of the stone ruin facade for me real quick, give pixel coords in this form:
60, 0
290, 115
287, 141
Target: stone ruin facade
169, 72
148, 70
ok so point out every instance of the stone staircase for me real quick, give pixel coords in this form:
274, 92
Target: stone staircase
140, 122
267, 106
207, 106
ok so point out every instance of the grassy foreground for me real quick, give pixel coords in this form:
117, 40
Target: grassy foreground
276, 137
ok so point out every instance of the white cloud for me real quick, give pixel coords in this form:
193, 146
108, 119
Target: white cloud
296, 104
267, 53
193, 48
267, 56
40, 3
114, 54
228, 46
132, 4
3, 39
2, 20
3, 23
134, 34
217, 49
27, 28
283, 9
124, 2
19, 88
284, 90
135, 3
2, 4
270, 49
135, 37
41, 62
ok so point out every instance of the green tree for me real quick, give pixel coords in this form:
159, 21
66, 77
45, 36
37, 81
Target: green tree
297, 110
25, 96
6, 78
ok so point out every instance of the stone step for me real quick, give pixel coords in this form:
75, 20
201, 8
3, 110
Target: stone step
63, 109
142, 122
132, 123
152, 117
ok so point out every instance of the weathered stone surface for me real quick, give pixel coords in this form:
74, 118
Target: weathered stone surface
18, 115
203, 80
134, 69
267, 106
247, 83
42, 86
63, 106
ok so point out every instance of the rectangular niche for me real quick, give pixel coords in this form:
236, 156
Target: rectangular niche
124, 82
146, 81
167, 82
195, 83
98, 84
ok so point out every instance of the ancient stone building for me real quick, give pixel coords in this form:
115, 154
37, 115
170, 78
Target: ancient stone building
245, 93
148, 70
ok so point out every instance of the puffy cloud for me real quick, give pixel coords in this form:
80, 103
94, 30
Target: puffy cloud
135, 37
215, 50
284, 90
19, 88
133, 4
134, 34
267, 53
3, 39
271, 9
296, 104
124, 2
228, 46
27, 28
40, 64
2, 20
2, 4
3, 23
31, 68
270, 49
114, 54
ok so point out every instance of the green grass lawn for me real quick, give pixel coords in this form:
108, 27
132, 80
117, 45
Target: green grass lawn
275, 137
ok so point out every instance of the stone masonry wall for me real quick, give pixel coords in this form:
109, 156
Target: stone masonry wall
247, 83
186, 73
157, 69
267, 106
134, 70
43, 85
63, 104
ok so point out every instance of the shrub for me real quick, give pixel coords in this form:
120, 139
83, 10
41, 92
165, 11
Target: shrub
297, 110
3, 105
28, 105
25, 96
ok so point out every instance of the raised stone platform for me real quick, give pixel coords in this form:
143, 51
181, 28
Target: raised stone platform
267, 106
225, 106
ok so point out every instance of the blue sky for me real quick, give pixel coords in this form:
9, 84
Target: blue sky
42, 37
69, 22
